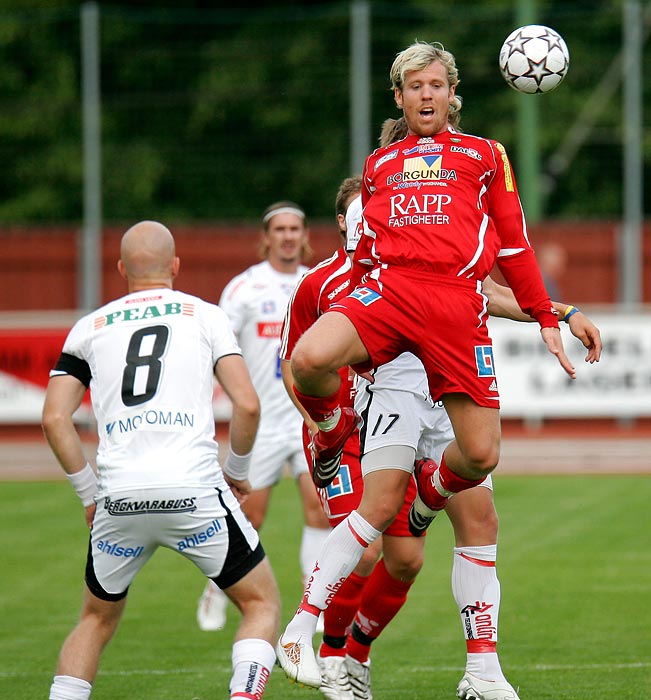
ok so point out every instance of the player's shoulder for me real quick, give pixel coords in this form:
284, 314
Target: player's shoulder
317, 275
382, 154
480, 144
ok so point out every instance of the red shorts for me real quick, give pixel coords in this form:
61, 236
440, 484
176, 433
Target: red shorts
344, 494
441, 320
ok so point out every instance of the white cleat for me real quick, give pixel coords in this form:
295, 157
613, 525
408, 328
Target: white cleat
298, 661
211, 611
334, 678
473, 688
359, 677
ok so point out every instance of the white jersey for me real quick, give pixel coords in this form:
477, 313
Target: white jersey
256, 301
151, 357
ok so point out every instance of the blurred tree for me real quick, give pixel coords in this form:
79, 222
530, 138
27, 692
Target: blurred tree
211, 110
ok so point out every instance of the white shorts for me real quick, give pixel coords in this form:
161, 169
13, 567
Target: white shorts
271, 454
205, 525
405, 418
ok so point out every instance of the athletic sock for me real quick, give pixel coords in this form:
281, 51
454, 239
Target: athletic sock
476, 590
339, 615
312, 541
323, 410
340, 555
253, 660
382, 597
69, 688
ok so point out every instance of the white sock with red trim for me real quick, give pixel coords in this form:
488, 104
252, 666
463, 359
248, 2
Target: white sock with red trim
338, 557
253, 661
311, 543
476, 590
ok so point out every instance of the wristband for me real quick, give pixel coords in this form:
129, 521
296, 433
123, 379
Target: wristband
237, 466
569, 312
84, 483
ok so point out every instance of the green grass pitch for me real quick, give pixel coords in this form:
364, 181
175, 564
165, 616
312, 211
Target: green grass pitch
575, 622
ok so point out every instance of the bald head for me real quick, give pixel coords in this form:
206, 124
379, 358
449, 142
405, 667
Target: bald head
148, 256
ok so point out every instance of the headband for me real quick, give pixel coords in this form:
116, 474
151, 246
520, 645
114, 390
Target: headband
283, 210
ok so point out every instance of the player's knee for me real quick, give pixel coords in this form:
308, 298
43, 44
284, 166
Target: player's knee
481, 460
380, 513
405, 568
311, 359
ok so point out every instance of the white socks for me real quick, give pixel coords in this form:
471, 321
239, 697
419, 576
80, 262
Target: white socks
253, 660
69, 688
476, 590
311, 543
339, 555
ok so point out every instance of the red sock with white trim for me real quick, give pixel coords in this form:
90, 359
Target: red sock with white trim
339, 615
441, 484
323, 410
476, 590
383, 596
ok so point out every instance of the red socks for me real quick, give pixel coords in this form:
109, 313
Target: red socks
338, 616
382, 597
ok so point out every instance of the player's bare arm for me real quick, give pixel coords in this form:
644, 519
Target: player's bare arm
63, 397
233, 376
502, 303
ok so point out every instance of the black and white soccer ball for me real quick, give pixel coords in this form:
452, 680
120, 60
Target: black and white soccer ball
534, 58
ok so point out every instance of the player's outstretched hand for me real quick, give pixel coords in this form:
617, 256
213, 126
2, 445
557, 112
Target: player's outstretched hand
240, 487
583, 329
554, 343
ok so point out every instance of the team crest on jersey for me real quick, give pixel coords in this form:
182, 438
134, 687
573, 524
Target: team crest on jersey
269, 306
365, 295
484, 361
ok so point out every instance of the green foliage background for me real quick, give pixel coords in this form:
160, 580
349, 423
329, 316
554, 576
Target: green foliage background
211, 110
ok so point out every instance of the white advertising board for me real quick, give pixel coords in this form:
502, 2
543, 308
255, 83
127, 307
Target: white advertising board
532, 384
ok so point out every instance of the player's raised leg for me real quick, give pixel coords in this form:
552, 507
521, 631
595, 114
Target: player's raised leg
331, 343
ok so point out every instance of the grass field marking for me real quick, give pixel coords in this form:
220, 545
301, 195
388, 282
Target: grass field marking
412, 669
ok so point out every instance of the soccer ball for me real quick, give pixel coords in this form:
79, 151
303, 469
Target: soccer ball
534, 58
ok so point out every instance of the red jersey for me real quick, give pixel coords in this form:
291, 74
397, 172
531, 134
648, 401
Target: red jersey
449, 205
316, 291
